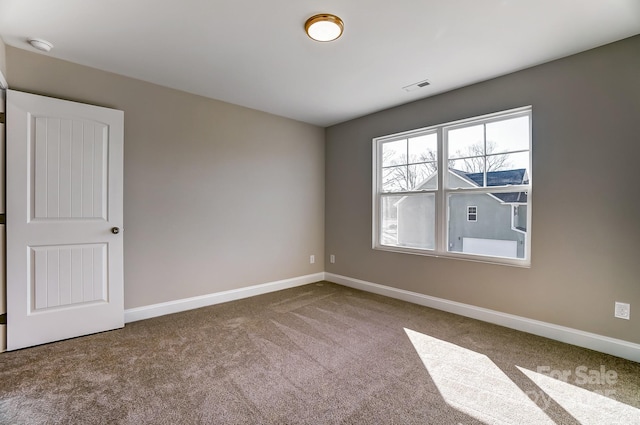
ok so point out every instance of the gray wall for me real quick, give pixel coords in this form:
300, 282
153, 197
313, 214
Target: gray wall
586, 158
216, 197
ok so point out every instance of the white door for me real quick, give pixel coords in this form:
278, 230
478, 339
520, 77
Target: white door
64, 219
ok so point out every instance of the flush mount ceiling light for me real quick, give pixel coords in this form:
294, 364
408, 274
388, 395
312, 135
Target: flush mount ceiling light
324, 27
40, 44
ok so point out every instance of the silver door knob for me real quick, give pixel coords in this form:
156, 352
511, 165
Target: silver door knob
115, 230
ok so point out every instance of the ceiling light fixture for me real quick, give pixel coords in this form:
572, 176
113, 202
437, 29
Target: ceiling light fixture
40, 44
324, 27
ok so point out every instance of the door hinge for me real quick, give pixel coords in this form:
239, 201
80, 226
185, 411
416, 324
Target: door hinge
2, 219
2, 117
3, 319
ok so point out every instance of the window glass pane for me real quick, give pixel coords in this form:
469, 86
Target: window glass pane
423, 176
508, 135
408, 221
389, 220
466, 166
502, 170
505, 169
394, 179
499, 229
466, 141
394, 153
423, 148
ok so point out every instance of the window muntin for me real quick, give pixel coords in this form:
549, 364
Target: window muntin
409, 163
425, 179
472, 214
408, 180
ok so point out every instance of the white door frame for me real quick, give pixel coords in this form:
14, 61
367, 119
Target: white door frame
3, 263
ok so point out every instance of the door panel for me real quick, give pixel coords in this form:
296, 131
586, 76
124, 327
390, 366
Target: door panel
68, 274
73, 155
64, 195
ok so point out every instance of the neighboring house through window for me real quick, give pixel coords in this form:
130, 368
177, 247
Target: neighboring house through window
431, 183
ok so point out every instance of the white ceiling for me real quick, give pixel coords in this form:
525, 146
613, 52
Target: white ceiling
255, 53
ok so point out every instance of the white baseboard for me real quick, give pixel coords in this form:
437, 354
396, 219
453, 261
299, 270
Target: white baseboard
604, 344
155, 310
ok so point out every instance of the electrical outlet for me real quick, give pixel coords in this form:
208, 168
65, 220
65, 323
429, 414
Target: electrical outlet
312, 259
622, 311
332, 258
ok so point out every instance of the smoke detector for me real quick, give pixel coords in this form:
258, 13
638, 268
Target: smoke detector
40, 44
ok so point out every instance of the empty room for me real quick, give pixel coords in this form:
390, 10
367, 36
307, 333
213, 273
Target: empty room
363, 212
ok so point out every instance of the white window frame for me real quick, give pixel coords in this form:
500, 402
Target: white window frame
443, 190
474, 213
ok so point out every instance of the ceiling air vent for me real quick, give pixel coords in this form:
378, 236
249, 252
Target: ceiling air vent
416, 86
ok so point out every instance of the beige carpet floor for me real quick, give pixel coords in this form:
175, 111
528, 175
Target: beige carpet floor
316, 354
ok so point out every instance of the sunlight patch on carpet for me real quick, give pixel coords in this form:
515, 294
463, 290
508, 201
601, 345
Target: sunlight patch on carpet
471, 383
586, 406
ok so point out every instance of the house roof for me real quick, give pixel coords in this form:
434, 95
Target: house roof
499, 178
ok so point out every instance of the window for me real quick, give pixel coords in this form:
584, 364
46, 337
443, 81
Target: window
429, 185
472, 214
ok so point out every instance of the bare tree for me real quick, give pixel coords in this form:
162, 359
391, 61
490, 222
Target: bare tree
400, 177
407, 176
474, 159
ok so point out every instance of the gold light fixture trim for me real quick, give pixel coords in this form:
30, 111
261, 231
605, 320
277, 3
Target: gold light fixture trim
324, 27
